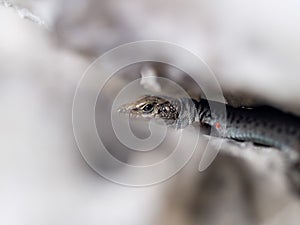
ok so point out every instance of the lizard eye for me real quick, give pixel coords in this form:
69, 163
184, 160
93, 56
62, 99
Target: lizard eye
148, 107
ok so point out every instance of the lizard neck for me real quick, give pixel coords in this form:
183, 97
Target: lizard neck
188, 112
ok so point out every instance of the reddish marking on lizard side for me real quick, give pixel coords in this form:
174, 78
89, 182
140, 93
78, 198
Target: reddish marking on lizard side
217, 125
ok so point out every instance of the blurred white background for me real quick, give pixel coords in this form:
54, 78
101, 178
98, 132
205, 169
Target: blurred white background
253, 47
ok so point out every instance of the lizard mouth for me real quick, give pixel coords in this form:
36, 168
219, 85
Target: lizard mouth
134, 112
126, 109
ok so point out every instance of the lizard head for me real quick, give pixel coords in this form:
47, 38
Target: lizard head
152, 107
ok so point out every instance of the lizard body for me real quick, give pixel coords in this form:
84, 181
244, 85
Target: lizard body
262, 125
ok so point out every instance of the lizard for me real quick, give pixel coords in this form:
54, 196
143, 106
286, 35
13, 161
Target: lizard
262, 125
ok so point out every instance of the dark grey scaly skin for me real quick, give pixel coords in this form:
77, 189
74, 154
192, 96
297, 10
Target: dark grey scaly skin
262, 125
